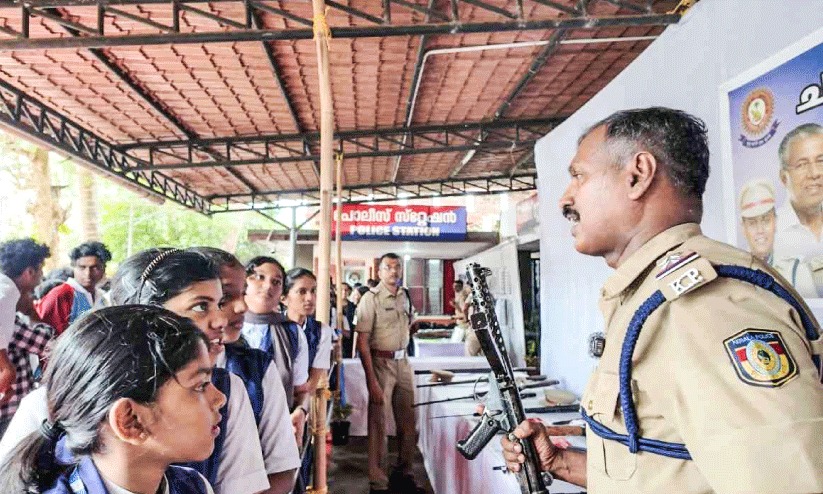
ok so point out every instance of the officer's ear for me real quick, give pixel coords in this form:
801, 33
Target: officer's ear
641, 169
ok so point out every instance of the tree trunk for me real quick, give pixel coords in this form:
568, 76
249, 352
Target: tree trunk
87, 198
45, 210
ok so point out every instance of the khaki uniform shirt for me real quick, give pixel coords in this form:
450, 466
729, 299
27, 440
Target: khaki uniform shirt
385, 317
746, 430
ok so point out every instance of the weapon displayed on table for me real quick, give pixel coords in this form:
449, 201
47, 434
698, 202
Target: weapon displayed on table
479, 379
504, 408
471, 370
475, 396
546, 409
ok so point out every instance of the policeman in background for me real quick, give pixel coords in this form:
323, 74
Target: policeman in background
383, 320
710, 379
759, 219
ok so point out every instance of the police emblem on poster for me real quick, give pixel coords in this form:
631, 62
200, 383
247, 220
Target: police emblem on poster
772, 126
761, 358
757, 113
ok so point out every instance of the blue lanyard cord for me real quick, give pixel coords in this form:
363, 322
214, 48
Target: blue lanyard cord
632, 334
672, 450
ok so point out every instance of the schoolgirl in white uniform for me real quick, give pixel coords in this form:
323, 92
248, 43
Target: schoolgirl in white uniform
129, 394
260, 375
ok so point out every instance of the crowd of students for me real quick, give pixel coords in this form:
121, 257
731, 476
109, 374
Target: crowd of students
196, 378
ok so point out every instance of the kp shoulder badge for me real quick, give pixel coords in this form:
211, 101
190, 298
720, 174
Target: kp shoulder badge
760, 358
682, 272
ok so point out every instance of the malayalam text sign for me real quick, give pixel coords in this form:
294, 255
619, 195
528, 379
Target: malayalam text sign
394, 222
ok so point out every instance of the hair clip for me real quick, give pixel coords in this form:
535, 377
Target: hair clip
157, 260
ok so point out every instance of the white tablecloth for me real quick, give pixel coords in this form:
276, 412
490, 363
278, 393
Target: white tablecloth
448, 471
438, 348
357, 393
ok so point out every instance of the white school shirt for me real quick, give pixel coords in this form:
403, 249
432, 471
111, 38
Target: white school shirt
279, 447
322, 359
9, 295
116, 489
241, 470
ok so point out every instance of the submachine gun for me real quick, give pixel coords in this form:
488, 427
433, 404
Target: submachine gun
504, 409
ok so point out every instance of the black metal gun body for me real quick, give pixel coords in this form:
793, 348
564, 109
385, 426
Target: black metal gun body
504, 408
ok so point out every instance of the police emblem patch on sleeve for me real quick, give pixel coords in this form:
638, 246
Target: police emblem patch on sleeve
760, 358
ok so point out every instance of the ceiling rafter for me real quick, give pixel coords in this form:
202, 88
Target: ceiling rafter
30, 118
274, 199
239, 30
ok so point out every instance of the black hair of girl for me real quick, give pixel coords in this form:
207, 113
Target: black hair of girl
219, 257
153, 276
261, 260
117, 352
293, 275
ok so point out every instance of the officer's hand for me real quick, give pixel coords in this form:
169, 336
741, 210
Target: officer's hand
534, 430
375, 394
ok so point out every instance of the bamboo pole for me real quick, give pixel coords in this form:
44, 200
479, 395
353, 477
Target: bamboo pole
318, 420
339, 243
322, 34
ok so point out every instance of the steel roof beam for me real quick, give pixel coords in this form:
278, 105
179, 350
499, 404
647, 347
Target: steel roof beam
376, 192
23, 42
382, 153
531, 125
33, 120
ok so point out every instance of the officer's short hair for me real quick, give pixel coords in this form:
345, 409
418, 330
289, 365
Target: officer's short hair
390, 255
676, 139
800, 132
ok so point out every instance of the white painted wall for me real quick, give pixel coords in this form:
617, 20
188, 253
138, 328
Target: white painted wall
683, 69
504, 284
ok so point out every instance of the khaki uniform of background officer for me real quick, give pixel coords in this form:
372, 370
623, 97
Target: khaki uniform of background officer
383, 320
752, 421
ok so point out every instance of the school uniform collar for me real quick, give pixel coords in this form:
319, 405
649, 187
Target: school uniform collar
78, 288
639, 262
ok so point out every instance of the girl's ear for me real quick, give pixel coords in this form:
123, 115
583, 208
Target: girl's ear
128, 420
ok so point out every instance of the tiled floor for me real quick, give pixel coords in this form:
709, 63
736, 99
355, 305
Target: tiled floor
348, 470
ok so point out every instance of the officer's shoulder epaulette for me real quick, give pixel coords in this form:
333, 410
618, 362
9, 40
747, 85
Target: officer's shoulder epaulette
682, 272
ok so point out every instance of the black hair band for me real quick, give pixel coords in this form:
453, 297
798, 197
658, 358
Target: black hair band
51, 430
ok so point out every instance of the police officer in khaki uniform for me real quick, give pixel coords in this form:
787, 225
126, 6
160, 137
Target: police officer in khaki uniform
383, 319
758, 221
710, 378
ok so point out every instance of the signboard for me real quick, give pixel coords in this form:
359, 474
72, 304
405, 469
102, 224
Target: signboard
394, 222
772, 119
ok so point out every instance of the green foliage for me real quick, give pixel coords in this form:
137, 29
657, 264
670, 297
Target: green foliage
169, 224
340, 412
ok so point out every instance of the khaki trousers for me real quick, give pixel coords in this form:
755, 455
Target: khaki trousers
397, 381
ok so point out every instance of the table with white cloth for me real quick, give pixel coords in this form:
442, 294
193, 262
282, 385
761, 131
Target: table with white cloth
448, 471
439, 347
357, 392
441, 425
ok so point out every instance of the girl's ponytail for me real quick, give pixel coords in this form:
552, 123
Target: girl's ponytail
33, 465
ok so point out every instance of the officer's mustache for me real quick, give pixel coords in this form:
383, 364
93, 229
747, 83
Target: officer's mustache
571, 214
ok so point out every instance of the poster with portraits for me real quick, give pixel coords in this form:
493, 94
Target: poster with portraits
773, 163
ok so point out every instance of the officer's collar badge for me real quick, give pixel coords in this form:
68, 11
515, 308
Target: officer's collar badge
673, 261
760, 358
